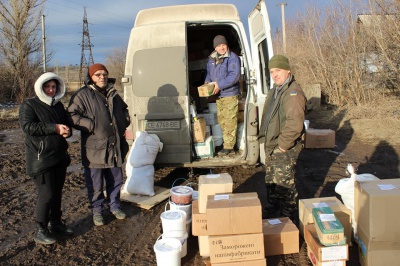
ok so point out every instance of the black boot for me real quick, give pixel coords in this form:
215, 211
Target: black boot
272, 206
43, 236
59, 228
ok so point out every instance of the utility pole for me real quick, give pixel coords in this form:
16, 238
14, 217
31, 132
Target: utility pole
283, 25
43, 45
86, 45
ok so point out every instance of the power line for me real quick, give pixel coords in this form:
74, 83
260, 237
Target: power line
86, 45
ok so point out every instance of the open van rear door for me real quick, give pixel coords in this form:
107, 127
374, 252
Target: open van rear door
261, 51
156, 90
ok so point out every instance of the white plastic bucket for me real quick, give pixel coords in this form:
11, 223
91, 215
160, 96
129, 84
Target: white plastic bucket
181, 195
212, 107
189, 226
187, 208
168, 251
217, 140
183, 241
173, 223
217, 134
195, 195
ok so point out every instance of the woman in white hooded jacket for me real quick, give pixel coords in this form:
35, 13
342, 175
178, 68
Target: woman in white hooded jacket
43, 120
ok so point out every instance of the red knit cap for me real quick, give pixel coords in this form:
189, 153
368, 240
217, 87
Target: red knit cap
95, 67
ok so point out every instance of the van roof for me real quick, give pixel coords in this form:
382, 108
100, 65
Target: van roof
195, 12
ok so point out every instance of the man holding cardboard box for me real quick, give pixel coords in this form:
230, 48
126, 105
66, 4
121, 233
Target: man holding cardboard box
282, 127
223, 70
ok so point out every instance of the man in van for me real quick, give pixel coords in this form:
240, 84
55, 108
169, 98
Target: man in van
223, 70
282, 126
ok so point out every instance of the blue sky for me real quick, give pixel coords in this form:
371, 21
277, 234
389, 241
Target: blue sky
110, 22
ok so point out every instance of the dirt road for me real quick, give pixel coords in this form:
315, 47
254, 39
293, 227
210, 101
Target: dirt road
130, 242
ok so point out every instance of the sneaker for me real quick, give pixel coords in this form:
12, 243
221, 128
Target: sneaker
119, 214
59, 228
225, 151
98, 220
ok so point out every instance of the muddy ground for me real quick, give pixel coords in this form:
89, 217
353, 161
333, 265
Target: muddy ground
370, 145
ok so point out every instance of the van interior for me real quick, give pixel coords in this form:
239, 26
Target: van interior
200, 46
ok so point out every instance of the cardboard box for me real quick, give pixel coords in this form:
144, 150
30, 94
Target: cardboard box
204, 246
316, 262
281, 236
262, 262
377, 209
377, 214
319, 138
234, 214
329, 229
373, 253
199, 220
205, 149
341, 212
212, 184
199, 130
205, 90
321, 252
211, 118
230, 248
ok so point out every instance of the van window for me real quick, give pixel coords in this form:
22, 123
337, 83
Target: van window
263, 59
150, 73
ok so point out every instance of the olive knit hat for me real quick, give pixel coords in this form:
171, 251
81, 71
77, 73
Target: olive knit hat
95, 67
219, 39
279, 61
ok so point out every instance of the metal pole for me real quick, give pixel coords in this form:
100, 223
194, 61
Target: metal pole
43, 45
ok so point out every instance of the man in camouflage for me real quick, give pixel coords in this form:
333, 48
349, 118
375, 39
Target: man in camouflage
282, 128
223, 70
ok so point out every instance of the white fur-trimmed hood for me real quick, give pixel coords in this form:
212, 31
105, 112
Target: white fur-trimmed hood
39, 88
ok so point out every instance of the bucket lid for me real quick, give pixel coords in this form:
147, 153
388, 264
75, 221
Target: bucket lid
168, 244
173, 214
182, 190
182, 238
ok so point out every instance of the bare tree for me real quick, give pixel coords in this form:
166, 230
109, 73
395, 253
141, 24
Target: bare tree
115, 62
338, 50
20, 44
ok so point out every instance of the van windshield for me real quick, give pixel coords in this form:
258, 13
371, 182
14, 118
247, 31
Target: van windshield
160, 72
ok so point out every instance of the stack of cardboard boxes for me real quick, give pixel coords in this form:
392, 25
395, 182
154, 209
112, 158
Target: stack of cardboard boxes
326, 227
377, 214
203, 142
228, 225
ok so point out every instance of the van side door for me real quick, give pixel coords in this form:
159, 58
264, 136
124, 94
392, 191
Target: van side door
261, 50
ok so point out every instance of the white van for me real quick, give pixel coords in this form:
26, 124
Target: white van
166, 61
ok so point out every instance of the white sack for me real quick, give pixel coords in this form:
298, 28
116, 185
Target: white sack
140, 181
345, 188
144, 149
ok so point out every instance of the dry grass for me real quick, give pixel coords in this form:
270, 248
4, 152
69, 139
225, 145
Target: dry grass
382, 108
9, 113
379, 121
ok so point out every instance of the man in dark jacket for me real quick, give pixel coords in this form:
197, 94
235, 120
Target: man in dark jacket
43, 119
102, 117
282, 126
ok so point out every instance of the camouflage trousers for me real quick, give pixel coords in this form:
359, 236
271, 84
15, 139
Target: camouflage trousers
227, 108
280, 183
